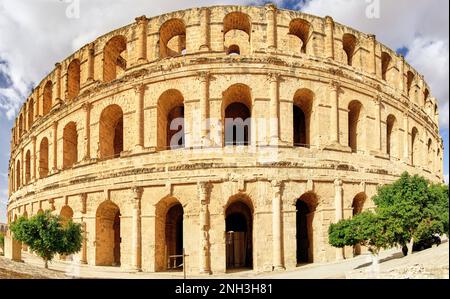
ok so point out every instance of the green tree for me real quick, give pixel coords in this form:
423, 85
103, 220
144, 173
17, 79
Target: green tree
365, 229
46, 235
413, 208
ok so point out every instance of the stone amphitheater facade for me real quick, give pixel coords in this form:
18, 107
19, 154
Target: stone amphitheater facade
334, 114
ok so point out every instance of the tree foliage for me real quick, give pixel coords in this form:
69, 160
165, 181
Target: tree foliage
47, 235
409, 209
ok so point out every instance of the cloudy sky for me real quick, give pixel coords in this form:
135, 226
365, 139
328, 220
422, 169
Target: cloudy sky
34, 35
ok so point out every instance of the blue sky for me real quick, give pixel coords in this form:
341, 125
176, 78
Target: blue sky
47, 31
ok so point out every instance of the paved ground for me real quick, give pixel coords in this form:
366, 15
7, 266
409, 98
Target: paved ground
432, 263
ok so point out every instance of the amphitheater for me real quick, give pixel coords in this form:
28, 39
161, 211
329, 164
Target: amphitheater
131, 137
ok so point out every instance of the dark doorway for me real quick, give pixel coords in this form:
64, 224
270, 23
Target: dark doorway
174, 237
299, 127
238, 222
302, 232
237, 124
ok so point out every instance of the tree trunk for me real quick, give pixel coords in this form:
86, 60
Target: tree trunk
410, 246
45, 263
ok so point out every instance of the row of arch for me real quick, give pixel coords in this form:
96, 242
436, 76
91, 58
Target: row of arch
237, 30
169, 228
236, 120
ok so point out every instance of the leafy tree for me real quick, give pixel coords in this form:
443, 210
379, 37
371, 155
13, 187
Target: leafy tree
365, 229
409, 210
46, 235
413, 208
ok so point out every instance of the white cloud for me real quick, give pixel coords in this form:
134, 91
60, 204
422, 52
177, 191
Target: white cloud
37, 34
446, 177
420, 25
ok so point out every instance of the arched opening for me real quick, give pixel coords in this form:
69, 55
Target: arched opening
349, 46
305, 207
43, 158
302, 113
426, 95
174, 236
357, 206
430, 154
66, 215
47, 98
18, 181
107, 239
27, 167
239, 235
172, 38
236, 105
111, 132
392, 136
236, 32
114, 58
355, 129
409, 81
414, 145
20, 125
233, 50
70, 145
169, 234
73, 79
171, 130
385, 65
30, 113
299, 32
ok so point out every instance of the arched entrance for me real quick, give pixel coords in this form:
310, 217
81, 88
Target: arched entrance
305, 207
239, 235
357, 206
174, 236
66, 215
111, 132
107, 235
168, 234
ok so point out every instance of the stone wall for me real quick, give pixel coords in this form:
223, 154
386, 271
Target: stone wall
102, 149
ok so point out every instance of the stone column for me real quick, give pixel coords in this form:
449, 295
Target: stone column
377, 101
334, 118
90, 61
271, 17
401, 81
277, 245
55, 146
274, 108
204, 29
136, 230
406, 157
329, 37
372, 54
87, 131
83, 210
139, 124
58, 83
83, 256
205, 264
33, 172
338, 203
141, 44
204, 78
22, 168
